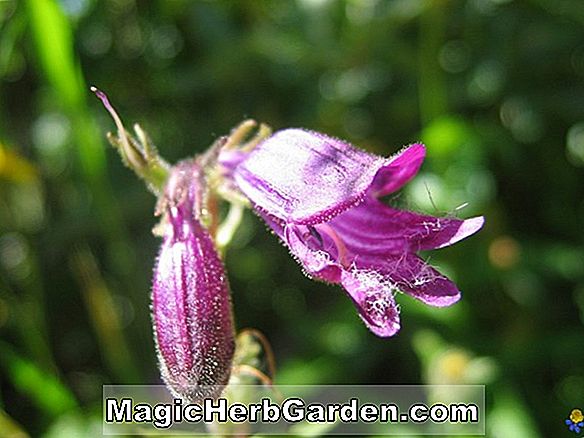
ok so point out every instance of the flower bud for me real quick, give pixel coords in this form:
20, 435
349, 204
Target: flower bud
191, 307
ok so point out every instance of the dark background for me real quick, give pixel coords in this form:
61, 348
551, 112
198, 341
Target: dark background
495, 88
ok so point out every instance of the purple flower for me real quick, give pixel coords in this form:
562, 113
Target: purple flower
321, 197
191, 307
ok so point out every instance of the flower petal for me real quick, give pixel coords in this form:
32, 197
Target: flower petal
402, 168
381, 239
373, 298
317, 263
375, 228
451, 230
415, 277
306, 177
371, 295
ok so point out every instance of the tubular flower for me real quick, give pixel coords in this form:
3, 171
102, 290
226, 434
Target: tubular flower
191, 307
321, 197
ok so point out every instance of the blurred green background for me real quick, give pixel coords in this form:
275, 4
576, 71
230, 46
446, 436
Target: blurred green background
495, 88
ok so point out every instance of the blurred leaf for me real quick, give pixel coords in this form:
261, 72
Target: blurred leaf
313, 429
509, 417
10, 35
432, 87
75, 426
54, 40
45, 390
15, 168
319, 371
10, 428
445, 135
105, 317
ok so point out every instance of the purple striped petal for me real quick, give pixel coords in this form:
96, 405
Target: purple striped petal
375, 228
191, 305
307, 178
412, 275
317, 263
319, 195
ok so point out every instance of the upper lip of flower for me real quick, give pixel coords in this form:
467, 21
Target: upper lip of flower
324, 163
319, 195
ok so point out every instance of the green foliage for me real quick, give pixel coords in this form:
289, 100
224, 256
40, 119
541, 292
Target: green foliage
43, 389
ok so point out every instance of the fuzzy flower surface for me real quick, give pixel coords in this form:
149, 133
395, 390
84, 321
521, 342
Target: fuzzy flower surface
191, 306
320, 195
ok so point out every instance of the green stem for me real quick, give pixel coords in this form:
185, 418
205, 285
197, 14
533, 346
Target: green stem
229, 226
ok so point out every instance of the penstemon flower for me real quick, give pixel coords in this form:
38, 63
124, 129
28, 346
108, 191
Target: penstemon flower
321, 197
191, 306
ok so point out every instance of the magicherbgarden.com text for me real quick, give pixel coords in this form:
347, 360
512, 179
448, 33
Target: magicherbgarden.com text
290, 410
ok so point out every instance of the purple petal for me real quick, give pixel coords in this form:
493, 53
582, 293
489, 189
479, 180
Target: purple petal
448, 231
375, 228
191, 311
317, 263
381, 239
231, 158
371, 295
276, 224
402, 168
373, 298
307, 178
415, 277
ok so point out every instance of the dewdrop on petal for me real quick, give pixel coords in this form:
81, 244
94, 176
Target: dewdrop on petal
191, 307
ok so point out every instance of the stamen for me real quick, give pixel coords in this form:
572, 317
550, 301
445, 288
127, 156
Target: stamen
264, 131
235, 140
342, 251
134, 157
239, 133
108, 106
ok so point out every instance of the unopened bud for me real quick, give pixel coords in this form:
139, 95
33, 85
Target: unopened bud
191, 307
